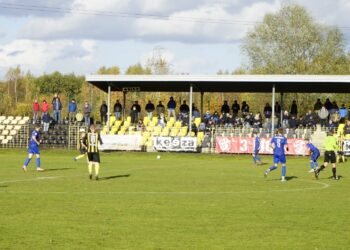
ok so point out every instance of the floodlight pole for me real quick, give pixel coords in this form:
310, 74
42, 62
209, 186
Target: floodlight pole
273, 112
109, 107
190, 118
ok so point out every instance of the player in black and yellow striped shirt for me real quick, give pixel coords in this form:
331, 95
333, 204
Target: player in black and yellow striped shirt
93, 139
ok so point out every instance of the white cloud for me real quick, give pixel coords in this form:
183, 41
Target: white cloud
201, 22
36, 55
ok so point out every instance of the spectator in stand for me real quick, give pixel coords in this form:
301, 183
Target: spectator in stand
103, 112
292, 122
160, 108
323, 115
44, 107
87, 112
207, 117
216, 117
171, 108
278, 109
294, 108
36, 109
135, 112
57, 108
267, 111
72, 111
118, 109
318, 105
257, 122
301, 122
46, 122
347, 130
248, 120
161, 120
309, 119
225, 109
245, 109
285, 119
195, 111
235, 108
343, 112
149, 109
328, 104
184, 109
334, 108
140, 126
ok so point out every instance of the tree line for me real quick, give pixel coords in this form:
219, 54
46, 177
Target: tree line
289, 41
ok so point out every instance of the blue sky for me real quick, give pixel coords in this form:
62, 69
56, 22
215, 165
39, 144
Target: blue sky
195, 36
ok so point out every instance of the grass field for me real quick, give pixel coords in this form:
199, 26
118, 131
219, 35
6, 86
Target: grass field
182, 201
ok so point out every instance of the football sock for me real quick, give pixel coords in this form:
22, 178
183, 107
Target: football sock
312, 165
258, 158
316, 164
284, 170
26, 162
79, 156
271, 168
254, 159
97, 169
37, 162
334, 170
320, 168
90, 168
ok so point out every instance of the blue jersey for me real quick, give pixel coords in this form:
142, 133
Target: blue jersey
257, 144
313, 149
33, 143
279, 141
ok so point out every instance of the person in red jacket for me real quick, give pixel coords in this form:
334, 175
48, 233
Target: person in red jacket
36, 109
44, 107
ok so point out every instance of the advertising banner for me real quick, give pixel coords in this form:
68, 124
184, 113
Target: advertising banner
175, 144
245, 145
121, 142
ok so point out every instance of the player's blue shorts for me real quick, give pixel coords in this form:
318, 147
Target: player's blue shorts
33, 150
256, 152
314, 157
279, 159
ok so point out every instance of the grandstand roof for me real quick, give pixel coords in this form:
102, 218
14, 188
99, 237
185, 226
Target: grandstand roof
224, 83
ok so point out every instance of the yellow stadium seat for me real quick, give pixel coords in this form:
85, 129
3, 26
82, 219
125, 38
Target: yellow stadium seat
10, 118
2, 118
121, 132
6, 122
174, 132
112, 120
197, 121
149, 142
146, 134
117, 123
17, 127
128, 119
13, 132
2, 137
26, 118
13, 122
9, 127
146, 121
155, 119
2, 127
5, 141
178, 124
18, 118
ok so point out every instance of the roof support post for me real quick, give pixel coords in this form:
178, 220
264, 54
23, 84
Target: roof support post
202, 97
282, 107
109, 107
273, 111
124, 101
190, 115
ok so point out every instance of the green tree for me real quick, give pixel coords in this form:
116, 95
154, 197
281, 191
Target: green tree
114, 70
291, 42
137, 69
69, 85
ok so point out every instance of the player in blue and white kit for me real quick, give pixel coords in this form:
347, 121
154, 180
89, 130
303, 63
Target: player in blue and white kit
279, 145
257, 143
34, 149
314, 154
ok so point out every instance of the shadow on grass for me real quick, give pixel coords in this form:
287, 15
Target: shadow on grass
331, 177
3, 186
57, 169
114, 177
288, 178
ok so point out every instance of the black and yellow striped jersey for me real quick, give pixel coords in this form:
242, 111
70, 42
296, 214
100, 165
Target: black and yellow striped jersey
92, 142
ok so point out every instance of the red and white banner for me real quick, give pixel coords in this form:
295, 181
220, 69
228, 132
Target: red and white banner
245, 145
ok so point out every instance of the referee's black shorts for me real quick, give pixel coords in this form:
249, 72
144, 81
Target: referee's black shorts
329, 156
94, 157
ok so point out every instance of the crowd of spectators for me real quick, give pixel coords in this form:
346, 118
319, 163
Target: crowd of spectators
326, 113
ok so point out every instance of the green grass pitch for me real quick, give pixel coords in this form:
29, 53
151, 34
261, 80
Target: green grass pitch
182, 201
